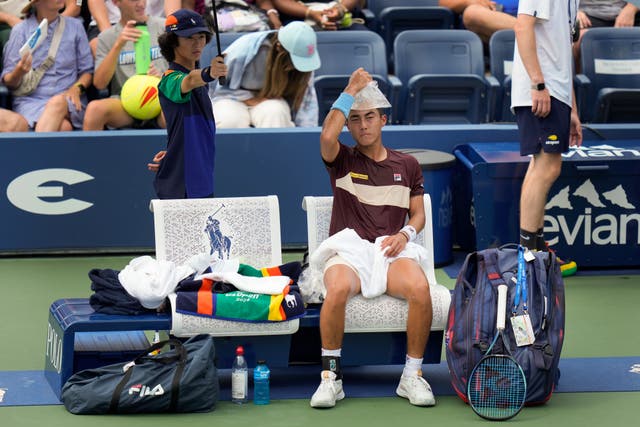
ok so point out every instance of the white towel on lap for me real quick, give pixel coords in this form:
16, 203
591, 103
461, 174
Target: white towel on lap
366, 257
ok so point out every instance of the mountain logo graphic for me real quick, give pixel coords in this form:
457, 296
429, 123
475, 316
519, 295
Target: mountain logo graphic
615, 197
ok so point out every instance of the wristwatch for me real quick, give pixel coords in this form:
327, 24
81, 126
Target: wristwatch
81, 87
538, 86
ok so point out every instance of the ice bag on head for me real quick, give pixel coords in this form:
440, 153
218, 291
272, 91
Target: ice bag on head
370, 97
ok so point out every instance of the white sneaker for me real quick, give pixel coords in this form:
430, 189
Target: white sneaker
328, 391
416, 389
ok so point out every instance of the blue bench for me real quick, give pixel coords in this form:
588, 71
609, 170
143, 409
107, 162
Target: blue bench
70, 318
67, 317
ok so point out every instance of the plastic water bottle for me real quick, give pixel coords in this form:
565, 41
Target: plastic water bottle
261, 383
239, 378
143, 50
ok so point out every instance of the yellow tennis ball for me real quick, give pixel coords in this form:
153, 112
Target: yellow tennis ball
139, 96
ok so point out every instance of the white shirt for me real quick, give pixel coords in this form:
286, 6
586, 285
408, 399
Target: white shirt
555, 18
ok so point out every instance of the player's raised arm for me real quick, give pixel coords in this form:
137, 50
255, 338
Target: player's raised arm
334, 122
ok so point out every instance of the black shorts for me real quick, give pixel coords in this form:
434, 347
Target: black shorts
550, 134
598, 22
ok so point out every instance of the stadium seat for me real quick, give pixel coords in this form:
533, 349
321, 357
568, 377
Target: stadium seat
442, 75
501, 47
342, 52
608, 90
390, 17
374, 8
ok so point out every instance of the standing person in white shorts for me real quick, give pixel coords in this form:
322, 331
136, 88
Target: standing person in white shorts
544, 104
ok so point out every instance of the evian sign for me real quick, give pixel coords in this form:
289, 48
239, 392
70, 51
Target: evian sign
586, 214
600, 152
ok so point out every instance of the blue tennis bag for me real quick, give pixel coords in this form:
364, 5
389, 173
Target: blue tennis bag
181, 378
471, 324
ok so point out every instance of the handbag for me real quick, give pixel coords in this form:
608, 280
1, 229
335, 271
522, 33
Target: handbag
31, 80
182, 379
236, 16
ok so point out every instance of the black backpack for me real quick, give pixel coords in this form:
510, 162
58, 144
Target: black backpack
471, 322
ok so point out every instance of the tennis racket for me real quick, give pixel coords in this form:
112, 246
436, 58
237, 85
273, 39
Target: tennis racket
222, 79
497, 386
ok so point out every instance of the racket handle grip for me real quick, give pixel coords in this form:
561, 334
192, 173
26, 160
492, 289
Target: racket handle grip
502, 307
222, 80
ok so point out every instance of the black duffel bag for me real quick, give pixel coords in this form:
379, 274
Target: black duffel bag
181, 379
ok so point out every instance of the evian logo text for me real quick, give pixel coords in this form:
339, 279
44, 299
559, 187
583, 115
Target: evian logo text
600, 151
613, 226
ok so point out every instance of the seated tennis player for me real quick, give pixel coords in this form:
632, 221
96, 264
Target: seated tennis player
370, 249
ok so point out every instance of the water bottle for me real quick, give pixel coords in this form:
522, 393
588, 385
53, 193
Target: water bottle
239, 378
261, 383
143, 50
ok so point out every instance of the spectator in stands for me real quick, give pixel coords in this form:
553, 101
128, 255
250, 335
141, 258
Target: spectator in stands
185, 170
11, 15
270, 81
324, 15
105, 14
272, 13
58, 101
484, 17
603, 13
115, 63
375, 189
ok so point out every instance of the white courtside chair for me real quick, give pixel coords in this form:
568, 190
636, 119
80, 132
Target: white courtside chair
246, 228
383, 313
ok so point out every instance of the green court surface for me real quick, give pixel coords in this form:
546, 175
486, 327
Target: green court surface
602, 320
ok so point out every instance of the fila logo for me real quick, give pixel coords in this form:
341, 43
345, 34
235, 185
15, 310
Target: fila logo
27, 192
144, 390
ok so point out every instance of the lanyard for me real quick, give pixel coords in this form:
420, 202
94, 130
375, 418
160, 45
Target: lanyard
521, 284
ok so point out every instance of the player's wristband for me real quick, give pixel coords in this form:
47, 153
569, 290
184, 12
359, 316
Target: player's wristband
343, 103
205, 74
410, 232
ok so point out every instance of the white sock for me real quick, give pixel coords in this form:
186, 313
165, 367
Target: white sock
334, 353
412, 366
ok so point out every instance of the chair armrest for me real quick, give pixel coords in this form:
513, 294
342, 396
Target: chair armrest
5, 97
369, 19
396, 88
493, 86
582, 85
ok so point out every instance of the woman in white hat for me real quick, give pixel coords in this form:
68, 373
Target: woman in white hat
270, 80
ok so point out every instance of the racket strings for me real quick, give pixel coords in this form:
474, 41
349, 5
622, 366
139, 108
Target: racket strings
497, 388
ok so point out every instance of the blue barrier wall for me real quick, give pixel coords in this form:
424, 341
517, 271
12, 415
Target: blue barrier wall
80, 191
